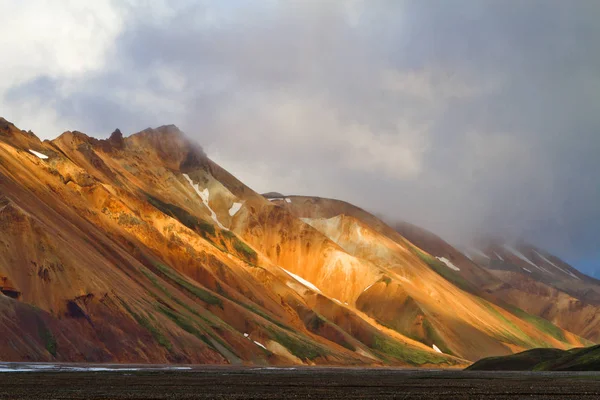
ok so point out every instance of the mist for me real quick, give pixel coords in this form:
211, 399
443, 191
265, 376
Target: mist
468, 118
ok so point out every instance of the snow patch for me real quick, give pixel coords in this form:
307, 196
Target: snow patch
259, 344
302, 280
480, 253
548, 261
522, 257
573, 275
368, 287
448, 263
246, 335
359, 232
526, 269
204, 195
556, 266
235, 208
499, 257
38, 154
288, 200
436, 348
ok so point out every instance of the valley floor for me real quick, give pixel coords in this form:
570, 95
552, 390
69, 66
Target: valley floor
293, 383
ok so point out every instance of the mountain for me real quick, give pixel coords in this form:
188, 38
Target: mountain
141, 249
578, 359
524, 278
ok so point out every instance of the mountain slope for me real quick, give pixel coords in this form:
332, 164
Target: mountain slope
142, 249
128, 244
421, 296
522, 278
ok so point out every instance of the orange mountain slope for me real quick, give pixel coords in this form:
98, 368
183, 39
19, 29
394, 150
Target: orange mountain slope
527, 278
141, 249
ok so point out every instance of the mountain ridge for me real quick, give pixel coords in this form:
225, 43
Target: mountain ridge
146, 239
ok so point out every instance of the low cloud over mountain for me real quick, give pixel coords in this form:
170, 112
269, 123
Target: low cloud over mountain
466, 117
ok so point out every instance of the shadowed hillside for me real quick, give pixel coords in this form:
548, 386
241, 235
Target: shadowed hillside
579, 359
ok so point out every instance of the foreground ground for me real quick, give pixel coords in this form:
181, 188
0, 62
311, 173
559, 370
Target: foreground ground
317, 383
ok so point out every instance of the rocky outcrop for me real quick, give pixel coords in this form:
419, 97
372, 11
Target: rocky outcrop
8, 289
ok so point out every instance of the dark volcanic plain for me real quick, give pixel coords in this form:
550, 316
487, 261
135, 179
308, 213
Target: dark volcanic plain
299, 383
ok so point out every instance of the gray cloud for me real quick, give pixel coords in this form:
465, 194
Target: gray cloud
466, 117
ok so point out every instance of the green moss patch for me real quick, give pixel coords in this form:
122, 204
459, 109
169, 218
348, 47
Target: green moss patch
540, 323
204, 228
47, 337
507, 336
198, 292
386, 279
184, 323
389, 348
442, 269
301, 348
243, 250
432, 335
246, 251
145, 322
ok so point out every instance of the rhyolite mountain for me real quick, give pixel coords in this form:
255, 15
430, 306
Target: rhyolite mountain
141, 249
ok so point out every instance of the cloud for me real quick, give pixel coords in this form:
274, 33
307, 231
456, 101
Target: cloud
42, 41
464, 117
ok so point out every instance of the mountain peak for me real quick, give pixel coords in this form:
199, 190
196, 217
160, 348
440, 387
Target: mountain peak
7, 127
272, 195
116, 139
17, 137
172, 145
170, 130
117, 134
75, 138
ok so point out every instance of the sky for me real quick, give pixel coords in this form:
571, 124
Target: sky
467, 117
